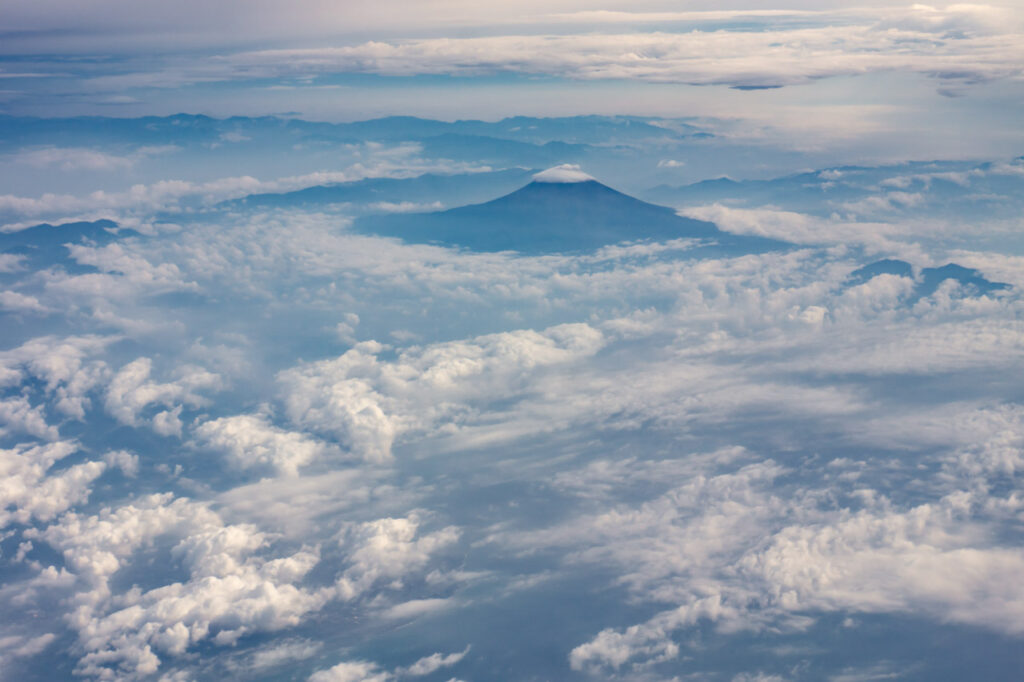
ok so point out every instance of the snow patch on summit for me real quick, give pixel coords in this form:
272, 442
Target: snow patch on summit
566, 173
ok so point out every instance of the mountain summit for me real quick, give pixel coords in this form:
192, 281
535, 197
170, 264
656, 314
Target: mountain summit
567, 173
563, 210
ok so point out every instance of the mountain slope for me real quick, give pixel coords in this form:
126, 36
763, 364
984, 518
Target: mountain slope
928, 281
561, 211
42, 246
426, 188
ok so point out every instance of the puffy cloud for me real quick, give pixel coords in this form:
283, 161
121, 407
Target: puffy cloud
876, 296
168, 422
387, 549
63, 365
231, 582
250, 442
28, 488
368, 403
139, 273
351, 671
917, 561
96, 546
130, 391
15, 302
231, 589
346, 330
876, 561
126, 461
18, 415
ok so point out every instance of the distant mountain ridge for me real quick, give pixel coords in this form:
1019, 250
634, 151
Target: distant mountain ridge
928, 280
45, 245
939, 188
427, 188
560, 216
185, 128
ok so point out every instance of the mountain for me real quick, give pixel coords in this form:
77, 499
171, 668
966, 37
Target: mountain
951, 189
494, 150
563, 210
187, 129
888, 266
928, 280
425, 189
42, 246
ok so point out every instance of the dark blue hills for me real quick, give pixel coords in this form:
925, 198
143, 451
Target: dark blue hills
426, 188
44, 245
928, 280
45, 235
557, 217
883, 267
486, 149
186, 129
939, 188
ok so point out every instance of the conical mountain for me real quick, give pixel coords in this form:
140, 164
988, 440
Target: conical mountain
562, 210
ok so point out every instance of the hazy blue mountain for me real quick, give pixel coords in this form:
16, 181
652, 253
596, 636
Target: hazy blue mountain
570, 129
972, 280
504, 151
929, 279
196, 128
427, 188
182, 129
45, 245
579, 129
937, 188
556, 217
812, 188
883, 267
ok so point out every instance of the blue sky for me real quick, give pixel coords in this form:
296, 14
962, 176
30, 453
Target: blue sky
276, 405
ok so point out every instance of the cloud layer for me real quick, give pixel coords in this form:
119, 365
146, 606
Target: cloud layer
249, 440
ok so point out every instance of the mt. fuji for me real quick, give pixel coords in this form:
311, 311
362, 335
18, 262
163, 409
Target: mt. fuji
563, 210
